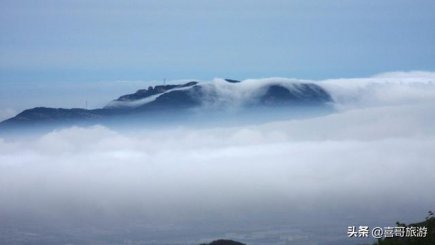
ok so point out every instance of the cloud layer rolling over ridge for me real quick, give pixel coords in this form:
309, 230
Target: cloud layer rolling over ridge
369, 162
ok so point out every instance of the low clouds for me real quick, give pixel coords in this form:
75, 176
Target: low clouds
387, 89
364, 164
395, 88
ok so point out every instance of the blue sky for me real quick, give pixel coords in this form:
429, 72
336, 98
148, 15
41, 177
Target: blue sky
88, 41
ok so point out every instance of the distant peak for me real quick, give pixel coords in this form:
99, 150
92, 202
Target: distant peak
231, 80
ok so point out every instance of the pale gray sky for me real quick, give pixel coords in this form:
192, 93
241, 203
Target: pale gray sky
84, 41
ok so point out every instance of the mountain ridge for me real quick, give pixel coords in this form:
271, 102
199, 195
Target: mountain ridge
180, 98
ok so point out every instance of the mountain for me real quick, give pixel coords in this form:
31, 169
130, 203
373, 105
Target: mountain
144, 93
181, 100
224, 242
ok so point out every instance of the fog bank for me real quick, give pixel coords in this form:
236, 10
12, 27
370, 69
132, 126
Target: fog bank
370, 162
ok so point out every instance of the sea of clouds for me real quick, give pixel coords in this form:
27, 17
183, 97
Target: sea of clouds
301, 181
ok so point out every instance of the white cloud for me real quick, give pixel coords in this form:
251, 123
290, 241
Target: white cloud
399, 88
362, 165
407, 74
334, 164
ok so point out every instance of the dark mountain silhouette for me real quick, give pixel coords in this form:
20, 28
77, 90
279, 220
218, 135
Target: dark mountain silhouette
224, 242
427, 238
144, 93
174, 100
232, 80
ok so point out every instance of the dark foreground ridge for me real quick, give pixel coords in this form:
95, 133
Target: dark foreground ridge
172, 102
418, 238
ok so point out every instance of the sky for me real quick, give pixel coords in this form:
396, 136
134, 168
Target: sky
94, 41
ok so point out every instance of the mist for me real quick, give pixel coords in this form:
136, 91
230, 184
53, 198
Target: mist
288, 181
